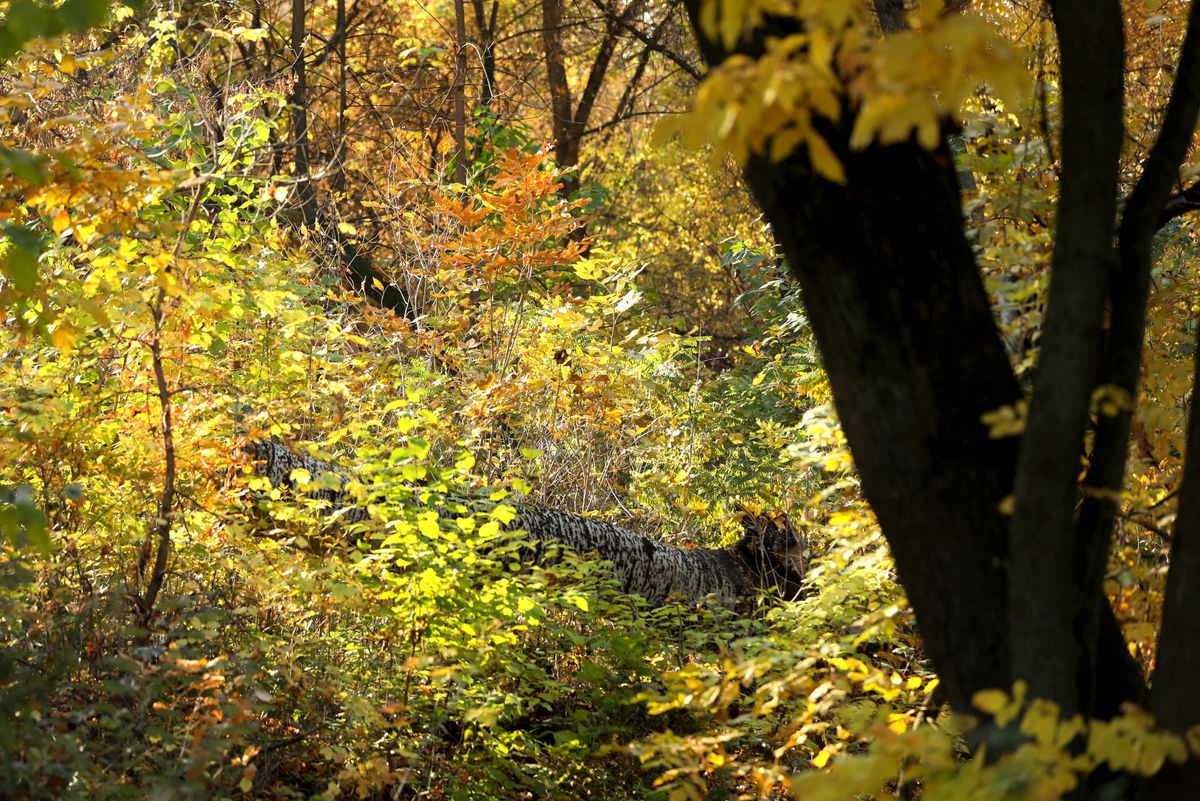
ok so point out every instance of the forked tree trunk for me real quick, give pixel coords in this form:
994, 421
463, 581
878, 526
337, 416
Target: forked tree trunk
769, 556
898, 308
899, 311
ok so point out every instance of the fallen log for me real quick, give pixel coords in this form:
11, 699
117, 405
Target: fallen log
769, 557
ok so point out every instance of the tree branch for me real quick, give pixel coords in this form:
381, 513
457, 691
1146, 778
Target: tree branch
1044, 576
651, 41
595, 79
1179, 204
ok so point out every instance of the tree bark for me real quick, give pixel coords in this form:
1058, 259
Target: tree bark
890, 15
769, 556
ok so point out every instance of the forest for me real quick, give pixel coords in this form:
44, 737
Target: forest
599, 399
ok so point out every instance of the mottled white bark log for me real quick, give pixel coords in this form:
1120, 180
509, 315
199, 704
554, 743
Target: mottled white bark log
770, 555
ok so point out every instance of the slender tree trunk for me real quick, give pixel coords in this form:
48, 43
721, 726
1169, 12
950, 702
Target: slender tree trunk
1175, 693
563, 127
158, 537
338, 179
1128, 298
161, 530
460, 92
1048, 601
304, 187
358, 269
487, 44
570, 121
1175, 696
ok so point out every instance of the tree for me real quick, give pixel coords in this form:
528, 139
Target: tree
357, 267
571, 121
999, 544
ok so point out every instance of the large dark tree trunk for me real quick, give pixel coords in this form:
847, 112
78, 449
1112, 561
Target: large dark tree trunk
769, 556
907, 337
914, 360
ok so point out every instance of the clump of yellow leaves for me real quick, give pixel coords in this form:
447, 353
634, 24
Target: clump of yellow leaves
915, 79
1129, 743
835, 67
1053, 757
770, 104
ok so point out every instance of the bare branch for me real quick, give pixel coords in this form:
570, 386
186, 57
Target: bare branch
651, 41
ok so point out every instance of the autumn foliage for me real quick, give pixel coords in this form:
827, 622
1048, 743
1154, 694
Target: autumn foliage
196, 254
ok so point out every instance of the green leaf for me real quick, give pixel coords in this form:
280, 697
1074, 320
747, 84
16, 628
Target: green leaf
25, 20
22, 522
79, 15
21, 268
23, 165
21, 258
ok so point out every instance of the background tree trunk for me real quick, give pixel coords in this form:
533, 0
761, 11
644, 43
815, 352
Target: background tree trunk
460, 92
358, 268
299, 100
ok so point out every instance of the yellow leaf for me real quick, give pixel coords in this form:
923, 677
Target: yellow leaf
63, 338
664, 130
824, 161
785, 142
990, 701
1193, 739
69, 64
61, 221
